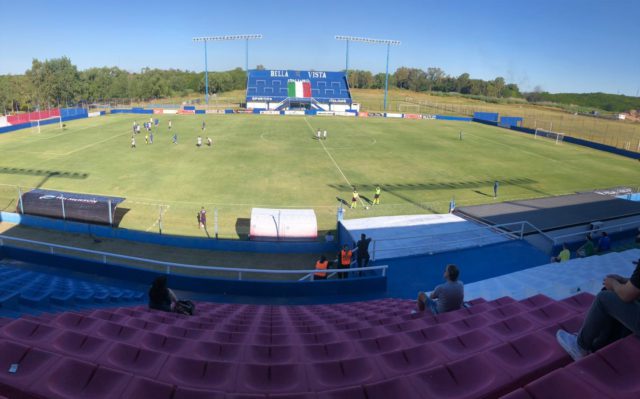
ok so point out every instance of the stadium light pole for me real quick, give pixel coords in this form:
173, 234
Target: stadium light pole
206, 39
367, 40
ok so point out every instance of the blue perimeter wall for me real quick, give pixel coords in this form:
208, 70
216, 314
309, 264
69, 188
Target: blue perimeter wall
169, 240
67, 114
208, 285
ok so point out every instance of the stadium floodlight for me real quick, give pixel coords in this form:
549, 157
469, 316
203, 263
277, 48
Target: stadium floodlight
205, 39
367, 40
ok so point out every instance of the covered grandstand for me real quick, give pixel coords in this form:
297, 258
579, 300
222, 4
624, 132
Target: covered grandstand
299, 90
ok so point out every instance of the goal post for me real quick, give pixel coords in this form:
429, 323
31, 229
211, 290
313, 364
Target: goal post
557, 137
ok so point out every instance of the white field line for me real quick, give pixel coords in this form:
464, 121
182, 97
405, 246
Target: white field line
163, 211
332, 159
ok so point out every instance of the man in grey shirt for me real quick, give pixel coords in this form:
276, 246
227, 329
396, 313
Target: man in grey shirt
445, 297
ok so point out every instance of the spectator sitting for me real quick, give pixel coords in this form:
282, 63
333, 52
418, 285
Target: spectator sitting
604, 243
563, 256
587, 249
613, 315
160, 296
448, 296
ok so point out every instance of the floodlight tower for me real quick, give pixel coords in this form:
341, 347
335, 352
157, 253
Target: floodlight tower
206, 39
388, 42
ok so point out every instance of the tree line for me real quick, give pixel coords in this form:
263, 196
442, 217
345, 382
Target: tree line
434, 79
58, 82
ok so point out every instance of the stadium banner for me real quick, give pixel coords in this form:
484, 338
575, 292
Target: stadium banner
325, 113
158, 111
411, 116
186, 112
170, 111
344, 113
200, 112
94, 114
189, 107
4, 122
294, 112
243, 111
375, 114
228, 111
428, 117
363, 114
215, 111
269, 112
32, 116
392, 115
70, 206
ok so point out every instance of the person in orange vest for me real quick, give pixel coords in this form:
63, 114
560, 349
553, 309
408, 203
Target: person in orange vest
345, 260
321, 268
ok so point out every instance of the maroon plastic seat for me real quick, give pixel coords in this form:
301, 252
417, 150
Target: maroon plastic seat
319, 338
466, 344
202, 374
410, 360
72, 378
562, 384
506, 311
480, 307
228, 337
536, 301
475, 377
75, 321
341, 373
613, 369
109, 315
271, 354
394, 388
216, 351
143, 324
519, 393
141, 387
580, 302
512, 327
550, 313
529, 357
331, 351
29, 331
139, 361
469, 323
274, 378
428, 334
572, 325
118, 332
502, 301
32, 364
382, 344
183, 332
268, 339
165, 343
79, 345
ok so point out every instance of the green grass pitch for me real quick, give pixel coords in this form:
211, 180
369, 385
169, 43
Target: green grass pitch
274, 161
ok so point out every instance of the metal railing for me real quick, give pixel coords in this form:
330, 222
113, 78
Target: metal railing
171, 267
614, 228
502, 230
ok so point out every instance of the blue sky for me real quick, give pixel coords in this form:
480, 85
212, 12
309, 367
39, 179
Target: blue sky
559, 45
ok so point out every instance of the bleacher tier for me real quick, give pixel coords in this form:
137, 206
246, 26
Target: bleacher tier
374, 349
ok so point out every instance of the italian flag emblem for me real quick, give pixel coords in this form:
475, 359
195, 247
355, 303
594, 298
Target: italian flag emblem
299, 89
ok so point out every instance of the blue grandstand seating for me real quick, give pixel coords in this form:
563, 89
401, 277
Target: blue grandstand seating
25, 291
271, 86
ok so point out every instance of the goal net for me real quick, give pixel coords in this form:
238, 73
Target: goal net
409, 108
557, 137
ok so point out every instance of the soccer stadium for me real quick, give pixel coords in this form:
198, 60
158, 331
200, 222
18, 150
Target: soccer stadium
311, 230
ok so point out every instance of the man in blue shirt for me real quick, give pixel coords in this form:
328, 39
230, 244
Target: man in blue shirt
604, 243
